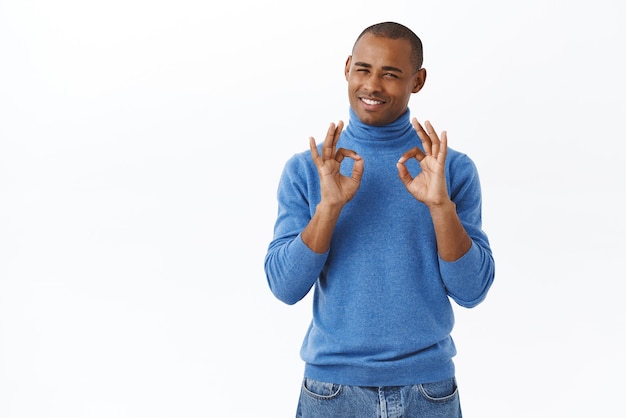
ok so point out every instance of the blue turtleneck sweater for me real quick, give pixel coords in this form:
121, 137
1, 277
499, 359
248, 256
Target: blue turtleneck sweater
381, 307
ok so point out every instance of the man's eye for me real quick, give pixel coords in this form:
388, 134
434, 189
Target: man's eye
391, 75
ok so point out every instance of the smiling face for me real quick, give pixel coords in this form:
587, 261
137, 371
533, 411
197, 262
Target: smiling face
381, 78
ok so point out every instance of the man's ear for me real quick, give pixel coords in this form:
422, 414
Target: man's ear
346, 70
420, 79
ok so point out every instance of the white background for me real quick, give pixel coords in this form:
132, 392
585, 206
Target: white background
140, 148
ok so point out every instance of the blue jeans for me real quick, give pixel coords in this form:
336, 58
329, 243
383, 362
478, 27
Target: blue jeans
428, 400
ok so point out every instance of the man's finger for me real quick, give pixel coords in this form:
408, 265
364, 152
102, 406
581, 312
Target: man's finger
434, 139
426, 142
357, 169
412, 153
330, 143
313, 147
404, 174
443, 150
328, 148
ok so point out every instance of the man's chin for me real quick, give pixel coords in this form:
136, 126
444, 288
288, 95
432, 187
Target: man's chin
371, 119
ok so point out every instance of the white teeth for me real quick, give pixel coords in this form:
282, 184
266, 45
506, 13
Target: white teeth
371, 102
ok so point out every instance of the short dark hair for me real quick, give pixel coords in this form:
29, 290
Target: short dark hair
395, 30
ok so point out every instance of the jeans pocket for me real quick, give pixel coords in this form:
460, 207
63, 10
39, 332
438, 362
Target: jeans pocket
441, 391
320, 390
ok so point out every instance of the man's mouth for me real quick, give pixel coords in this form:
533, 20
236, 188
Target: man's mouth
371, 102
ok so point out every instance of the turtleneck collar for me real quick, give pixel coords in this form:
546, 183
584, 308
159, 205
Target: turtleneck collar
401, 129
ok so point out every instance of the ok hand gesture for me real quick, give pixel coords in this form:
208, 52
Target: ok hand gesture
429, 187
336, 189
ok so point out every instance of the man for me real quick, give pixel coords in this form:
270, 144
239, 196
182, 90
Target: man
383, 220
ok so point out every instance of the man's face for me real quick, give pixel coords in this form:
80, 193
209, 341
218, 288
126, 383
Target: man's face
381, 79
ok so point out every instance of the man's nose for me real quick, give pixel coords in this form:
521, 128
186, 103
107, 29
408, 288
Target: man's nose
373, 83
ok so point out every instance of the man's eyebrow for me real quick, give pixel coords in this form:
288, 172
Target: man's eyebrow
385, 67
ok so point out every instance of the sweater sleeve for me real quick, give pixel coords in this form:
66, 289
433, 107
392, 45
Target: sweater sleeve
292, 268
469, 278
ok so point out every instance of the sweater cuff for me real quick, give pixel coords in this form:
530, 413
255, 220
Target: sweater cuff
307, 259
466, 279
461, 265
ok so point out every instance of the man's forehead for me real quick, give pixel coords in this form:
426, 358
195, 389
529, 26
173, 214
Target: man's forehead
381, 51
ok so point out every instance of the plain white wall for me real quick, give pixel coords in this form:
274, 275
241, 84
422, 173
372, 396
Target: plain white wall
140, 148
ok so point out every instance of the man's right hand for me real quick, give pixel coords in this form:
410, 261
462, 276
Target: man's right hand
336, 189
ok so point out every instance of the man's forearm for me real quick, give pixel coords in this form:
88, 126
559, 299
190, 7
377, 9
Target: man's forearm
452, 239
319, 231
